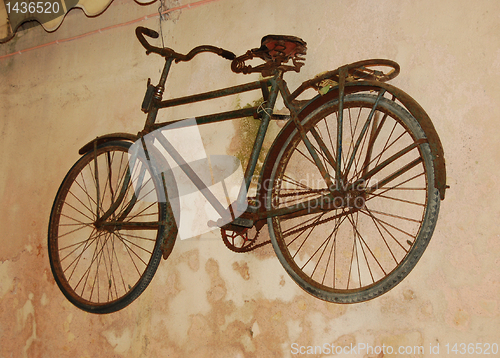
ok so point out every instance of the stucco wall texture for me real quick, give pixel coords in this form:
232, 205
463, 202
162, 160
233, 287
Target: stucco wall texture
206, 301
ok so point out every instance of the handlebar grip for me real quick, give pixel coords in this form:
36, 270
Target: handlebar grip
147, 32
228, 55
140, 32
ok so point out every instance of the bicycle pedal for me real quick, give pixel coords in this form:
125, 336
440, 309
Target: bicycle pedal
243, 222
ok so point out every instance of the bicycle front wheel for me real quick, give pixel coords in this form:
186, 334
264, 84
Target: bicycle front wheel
102, 267
363, 242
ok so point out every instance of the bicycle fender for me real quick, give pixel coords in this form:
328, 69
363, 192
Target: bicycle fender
107, 138
362, 86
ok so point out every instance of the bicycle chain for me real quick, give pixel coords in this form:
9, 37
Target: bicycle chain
251, 246
304, 192
314, 223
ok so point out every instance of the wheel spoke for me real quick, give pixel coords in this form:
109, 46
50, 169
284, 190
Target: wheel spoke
140, 213
79, 211
307, 236
84, 205
397, 199
86, 274
122, 237
75, 230
138, 237
334, 234
397, 187
364, 130
76, 261
324, 152
397, 216
306, 157
362, 241
392, 159
120, 270
383, 237
390, 225
86, 191
129, 250
325, 243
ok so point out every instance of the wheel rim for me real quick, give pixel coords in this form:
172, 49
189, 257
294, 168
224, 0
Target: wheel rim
97, 264
366, 239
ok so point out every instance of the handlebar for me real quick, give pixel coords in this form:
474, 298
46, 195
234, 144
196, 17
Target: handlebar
169, 53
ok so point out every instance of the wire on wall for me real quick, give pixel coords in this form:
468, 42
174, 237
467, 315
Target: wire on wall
186, 6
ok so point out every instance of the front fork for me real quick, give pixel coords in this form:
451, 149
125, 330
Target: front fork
153, 95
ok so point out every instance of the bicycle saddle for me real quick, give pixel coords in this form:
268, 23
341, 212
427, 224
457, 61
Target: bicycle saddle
280, 47
276, 50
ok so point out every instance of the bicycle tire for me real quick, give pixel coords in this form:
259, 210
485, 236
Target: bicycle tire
369, 243
78, 249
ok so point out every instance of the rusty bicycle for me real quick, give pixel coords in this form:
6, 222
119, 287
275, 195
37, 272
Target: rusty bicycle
350, 188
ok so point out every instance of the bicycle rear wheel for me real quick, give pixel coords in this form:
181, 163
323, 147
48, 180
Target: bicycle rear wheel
102, 267
364, 242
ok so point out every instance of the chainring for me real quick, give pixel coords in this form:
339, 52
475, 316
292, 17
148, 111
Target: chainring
239, 241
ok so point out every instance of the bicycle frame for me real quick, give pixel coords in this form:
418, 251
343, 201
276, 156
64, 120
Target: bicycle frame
271, 87
154, 103
308, 170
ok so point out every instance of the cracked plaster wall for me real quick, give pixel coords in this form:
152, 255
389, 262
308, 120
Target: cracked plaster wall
206, 301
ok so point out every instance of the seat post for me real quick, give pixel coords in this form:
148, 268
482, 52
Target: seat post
267, 108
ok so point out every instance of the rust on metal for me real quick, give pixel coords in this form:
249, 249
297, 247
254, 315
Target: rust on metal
276, 51
281, 196
107, 138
